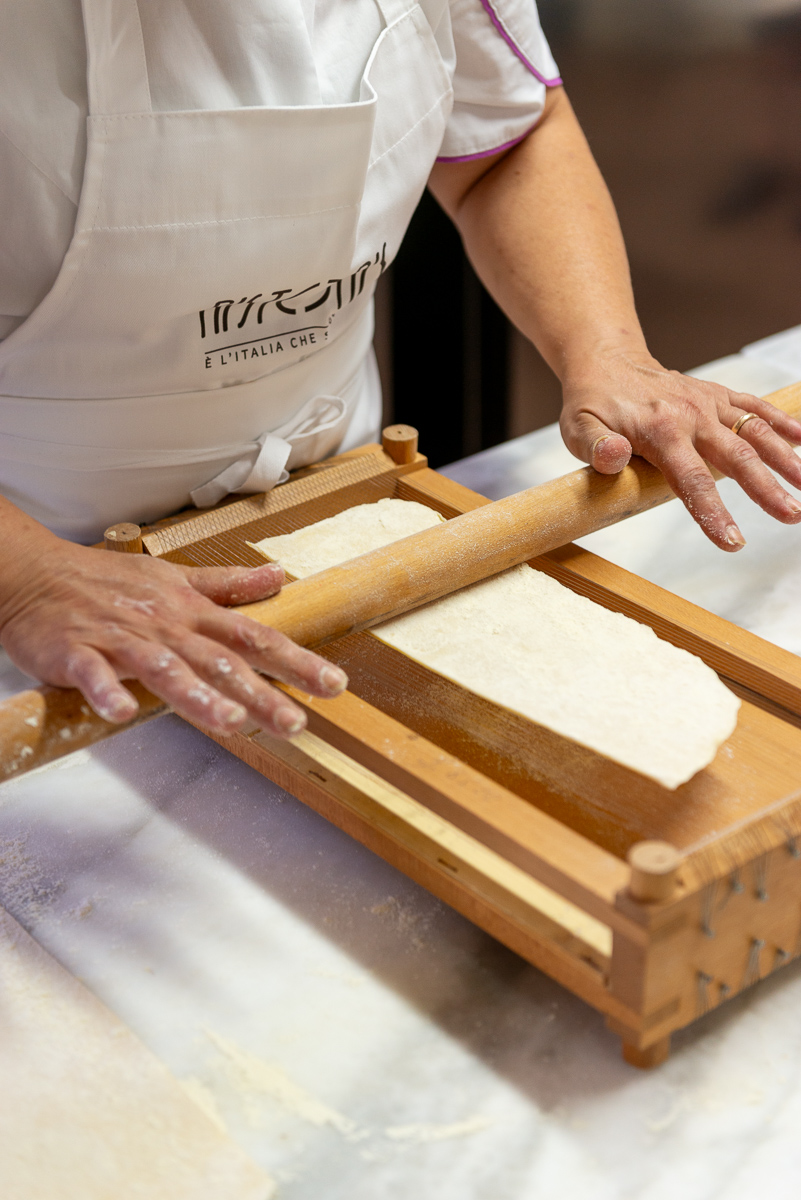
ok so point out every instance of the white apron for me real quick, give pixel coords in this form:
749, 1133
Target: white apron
211, 323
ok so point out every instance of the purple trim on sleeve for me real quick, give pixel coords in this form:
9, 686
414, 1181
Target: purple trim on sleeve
493, 16
484, 153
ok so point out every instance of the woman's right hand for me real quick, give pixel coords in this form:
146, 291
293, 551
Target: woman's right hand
79, 617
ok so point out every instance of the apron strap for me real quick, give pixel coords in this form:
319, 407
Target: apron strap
307, 437
116, 65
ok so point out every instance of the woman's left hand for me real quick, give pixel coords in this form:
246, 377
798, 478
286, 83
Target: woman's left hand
626, 405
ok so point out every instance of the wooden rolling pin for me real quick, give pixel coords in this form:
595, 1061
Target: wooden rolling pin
41, 725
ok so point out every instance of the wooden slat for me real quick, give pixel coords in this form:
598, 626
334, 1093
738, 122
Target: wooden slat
746, 659
433, 562
764, 669
756, 769
446, 846
743, 925
437, 491
231, 525
563, 860
459, 869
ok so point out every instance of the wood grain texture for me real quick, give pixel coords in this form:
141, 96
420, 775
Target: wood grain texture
708, 946
469, 547
125, 538
43, 724
756, 770
738, 656
470, 799
490, 891
484, 540
472, 546
521, 830
400, 442
328, 488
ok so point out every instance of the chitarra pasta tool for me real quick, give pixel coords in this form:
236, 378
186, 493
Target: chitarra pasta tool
652, 905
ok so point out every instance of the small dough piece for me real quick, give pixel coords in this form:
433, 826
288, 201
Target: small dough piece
526, 642
347, 535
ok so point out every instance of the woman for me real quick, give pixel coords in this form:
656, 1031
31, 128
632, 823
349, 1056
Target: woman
185, 298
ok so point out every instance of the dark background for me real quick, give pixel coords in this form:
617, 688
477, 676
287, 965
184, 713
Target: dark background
693, 111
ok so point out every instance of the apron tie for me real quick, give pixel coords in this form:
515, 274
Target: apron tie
305, 438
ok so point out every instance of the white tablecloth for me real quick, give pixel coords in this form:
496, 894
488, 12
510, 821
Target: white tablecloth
360, 1039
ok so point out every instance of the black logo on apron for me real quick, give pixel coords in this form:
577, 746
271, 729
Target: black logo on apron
230, 321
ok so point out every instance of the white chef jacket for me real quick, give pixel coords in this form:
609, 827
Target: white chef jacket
208, 54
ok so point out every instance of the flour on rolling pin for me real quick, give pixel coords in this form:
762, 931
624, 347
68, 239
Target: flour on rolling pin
526, 642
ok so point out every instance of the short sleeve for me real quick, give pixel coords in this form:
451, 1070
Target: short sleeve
503, 66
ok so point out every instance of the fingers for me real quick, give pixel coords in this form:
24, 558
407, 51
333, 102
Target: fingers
784, 425
205, 670
236, 585
610, 453
677, 459
271, 652
691, 480
773, 450
743, 461
172, 679
230, 675
594, 443
87, 670
95, 620
207, 676
203, 681
676, 422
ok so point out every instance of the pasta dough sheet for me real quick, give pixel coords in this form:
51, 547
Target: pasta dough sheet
526, 642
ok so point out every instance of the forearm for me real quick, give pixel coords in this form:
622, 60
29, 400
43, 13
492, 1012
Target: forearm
22, 540
542, 233
540, 227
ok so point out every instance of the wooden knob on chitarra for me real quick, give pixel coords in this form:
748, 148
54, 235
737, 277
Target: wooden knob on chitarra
126, 538
654, 871
400, 443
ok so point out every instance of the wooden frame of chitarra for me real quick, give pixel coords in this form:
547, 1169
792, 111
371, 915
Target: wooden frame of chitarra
556, 852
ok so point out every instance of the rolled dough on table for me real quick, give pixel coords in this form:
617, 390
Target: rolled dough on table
526, 642
86, 1111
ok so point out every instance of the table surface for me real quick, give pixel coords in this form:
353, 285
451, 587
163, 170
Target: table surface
357, 1037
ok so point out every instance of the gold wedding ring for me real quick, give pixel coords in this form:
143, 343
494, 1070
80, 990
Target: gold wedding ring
738, 424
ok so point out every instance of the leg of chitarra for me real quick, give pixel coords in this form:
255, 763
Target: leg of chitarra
648, 1056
